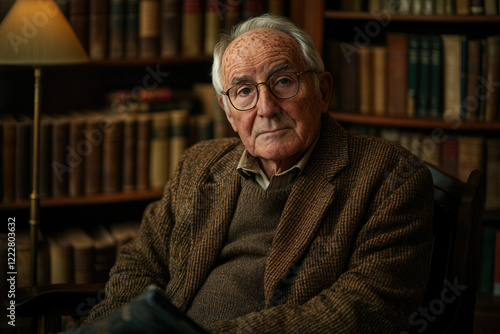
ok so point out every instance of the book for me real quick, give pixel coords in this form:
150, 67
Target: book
435, 85
98, 29
205, 93
397, 80
131, 29
61, 258
93, 160
201, 127
149, 28
452, 62
178, 132
476, 7
492, 78
277, 7
212, 26
8, 157
332, 64
45, 156
75, 155
60, 168
104, 253
417, 7
490, 7
423, 94
379, 58
143, 151
365, 80
440, 7
449, 157
472, 102
23, 158
83, 255
413, 75
192, 28
349, 78
431, 150
492, 168
159, 149
470, 155
463, 7
428, 7
129, 155
116, 29
111, 153
253, 8
170, 31
79, 20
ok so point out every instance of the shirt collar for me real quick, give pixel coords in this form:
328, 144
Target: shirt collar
249, 167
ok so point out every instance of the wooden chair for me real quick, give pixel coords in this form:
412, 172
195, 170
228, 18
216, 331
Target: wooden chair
450, 298
449, 303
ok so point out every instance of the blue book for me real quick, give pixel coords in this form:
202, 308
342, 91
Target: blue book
435, 81
423, 97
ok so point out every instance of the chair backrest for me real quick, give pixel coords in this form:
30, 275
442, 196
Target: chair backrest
450, 298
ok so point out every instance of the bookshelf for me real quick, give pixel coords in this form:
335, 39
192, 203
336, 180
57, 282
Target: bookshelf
340, 22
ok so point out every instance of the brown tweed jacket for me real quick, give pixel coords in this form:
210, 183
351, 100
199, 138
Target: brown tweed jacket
350, 254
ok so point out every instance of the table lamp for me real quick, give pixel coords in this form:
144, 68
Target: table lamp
35, 33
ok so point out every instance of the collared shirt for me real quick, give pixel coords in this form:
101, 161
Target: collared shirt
249, 167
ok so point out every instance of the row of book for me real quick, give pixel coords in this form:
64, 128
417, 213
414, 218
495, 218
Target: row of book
489, 277
72, 254
424, 7
448, 77
132, 145
117, 29
457, 154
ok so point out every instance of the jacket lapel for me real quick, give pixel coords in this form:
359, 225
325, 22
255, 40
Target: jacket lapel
309, 200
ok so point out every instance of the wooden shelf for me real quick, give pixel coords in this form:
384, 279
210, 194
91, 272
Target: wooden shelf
413, 18
414, 122
88, 200
148, 61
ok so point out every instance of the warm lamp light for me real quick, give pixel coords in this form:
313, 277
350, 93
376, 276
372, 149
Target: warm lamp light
36, 33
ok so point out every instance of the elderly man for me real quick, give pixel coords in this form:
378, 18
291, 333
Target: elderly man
298, 226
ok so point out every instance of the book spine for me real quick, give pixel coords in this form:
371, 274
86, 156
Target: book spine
149, 28
492, 78
159, 150
112, 155
93, 160
463, 7
232, 13
131, 29
177, 137
471, 101
349, 78
487, 260
397, 49
170, 27
492, 174
424, 82
477, 7
192, 27
75, 159
59, 165
252, 8
116, 29
463, 77
129, 153
22, 161
436, 78
365, 74
212, 25
413, 74
470, 156
98, 29
450, 155
79, 20
496, 268
379, 80
451, 77
9, 156
143, 152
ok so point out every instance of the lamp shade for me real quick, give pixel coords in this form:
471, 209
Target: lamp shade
35, 32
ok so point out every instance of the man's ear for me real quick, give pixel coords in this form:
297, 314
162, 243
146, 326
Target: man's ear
220, 99
325, 87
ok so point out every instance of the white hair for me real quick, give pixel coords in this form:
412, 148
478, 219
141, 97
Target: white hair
305, 42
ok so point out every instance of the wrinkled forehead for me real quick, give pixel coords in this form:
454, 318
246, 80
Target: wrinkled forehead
259, 48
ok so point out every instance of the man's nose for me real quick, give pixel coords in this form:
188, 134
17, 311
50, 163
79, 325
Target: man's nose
266, 106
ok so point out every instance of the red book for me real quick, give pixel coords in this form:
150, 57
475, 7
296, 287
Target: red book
449, 159
397, 57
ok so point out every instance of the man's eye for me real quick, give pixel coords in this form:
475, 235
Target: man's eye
283, 81
244, 91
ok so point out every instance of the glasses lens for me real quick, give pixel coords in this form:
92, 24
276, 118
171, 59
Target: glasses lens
243, 96
284, 85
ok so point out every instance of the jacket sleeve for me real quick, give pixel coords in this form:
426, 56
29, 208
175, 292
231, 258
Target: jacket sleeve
385, 277
142, 262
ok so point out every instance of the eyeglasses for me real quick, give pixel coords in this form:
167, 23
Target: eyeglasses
283, 85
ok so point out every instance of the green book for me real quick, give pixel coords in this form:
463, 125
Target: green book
435, 80
423, 97
413, 71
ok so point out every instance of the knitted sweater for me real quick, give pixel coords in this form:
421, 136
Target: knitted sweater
351, 250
